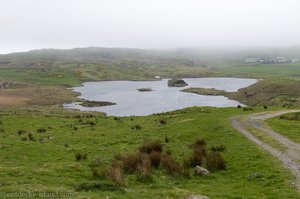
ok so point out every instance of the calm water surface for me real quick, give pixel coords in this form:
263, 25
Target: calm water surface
162, 99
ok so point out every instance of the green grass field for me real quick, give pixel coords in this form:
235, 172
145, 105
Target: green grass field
48, 164
263, 71
287, 128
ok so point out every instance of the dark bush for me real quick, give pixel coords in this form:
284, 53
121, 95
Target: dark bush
151, 146
215, 161
41, 130
136, 127
171, 166
155, 159
30, 137
199, 154
162, 122
239, 106
167, 140
265, 107
218, 148
80, 156
20, 132
92, 123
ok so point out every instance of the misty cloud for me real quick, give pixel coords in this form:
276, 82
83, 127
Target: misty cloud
29, 24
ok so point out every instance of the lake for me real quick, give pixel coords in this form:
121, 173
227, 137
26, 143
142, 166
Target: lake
130, 102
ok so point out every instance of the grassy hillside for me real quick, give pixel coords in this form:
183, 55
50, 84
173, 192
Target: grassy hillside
282, 92
263, 71
45, 161
270, 92
70, 67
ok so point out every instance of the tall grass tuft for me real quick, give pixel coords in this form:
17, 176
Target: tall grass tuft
151, 146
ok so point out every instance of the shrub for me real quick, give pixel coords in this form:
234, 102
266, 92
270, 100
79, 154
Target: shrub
218, 148
41, 130
136, 127
2, 130
199, 153
171, 166
151, 146
138, 163
92, 123
162, 122
20, 132
265, 107
144, 170
167, 140
155, 159
30, 137
215, 161
116, 174
239, 106
131, 162
80, 156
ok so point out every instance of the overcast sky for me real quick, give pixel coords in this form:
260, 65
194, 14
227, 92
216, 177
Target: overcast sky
32, 24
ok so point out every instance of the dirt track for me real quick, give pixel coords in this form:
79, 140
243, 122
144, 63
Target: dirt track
290, 158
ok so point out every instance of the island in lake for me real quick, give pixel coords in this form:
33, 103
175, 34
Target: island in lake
88, 103
145, 89
176, 83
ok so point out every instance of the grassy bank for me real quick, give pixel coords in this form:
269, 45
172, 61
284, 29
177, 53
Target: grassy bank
287, 125
46, 161
270, 92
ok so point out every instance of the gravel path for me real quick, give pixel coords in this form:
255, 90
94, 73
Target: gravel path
290, 158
